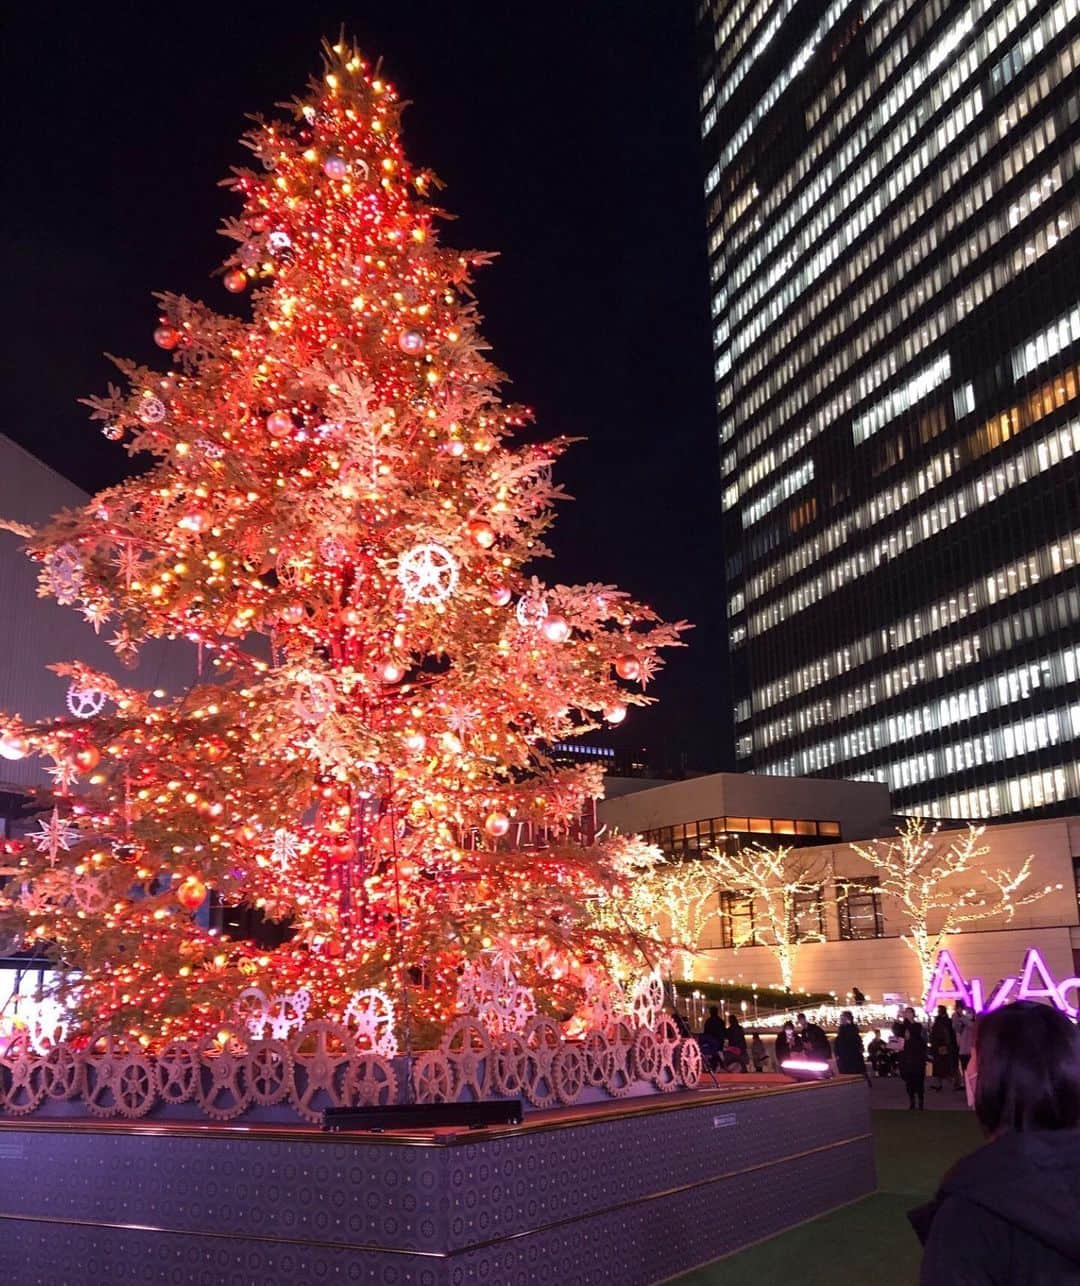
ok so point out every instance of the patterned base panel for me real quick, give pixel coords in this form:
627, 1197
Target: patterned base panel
630, 1194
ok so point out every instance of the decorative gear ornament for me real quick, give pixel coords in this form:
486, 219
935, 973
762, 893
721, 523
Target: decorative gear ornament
370, 1018
64, 574
321, 1055
647, 1000
531, 610
427, 573
316, 700
372, 1081
85, 703
467, 1044
286, 1012
151, 410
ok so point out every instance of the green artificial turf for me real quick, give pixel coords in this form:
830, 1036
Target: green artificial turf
871, 1240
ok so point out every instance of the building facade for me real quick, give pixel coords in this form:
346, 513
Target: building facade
849, 931
861, 932
892, 194
36, 633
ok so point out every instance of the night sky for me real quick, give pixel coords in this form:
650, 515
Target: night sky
566, 133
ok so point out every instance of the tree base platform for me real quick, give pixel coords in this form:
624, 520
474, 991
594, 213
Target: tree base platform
631, 1191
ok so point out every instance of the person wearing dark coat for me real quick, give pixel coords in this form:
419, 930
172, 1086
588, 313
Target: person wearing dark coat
713, 1036
736, 1037
1009, 1213
815, 1042
788, 1045
913, 1060
942, 1048
714, 1027
848, 1047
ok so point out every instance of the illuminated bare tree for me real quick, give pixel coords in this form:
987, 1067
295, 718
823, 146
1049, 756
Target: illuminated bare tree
673, 902
775, 880
927, 877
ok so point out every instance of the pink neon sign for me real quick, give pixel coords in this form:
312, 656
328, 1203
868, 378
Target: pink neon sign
1034, 983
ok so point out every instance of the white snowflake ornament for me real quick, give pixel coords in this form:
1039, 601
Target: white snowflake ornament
285, 848
55, 834
64, 570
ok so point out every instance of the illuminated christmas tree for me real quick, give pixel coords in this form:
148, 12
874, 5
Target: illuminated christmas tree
340, 516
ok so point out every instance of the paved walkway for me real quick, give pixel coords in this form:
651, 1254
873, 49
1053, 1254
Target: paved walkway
888, 1093
871, 1240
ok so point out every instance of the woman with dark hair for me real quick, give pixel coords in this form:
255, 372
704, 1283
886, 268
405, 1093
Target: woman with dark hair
848, 1047
1010, 1212
943, 1048
913, 1059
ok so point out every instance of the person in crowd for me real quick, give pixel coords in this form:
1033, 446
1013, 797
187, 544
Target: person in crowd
848, 1047
714, 1027
1010, 1212
964, 1030
759, 1055
713, 1037
879, 1054
735, 1057
788, 1044
815, 1042
942, 1048
857, 997
913, 1060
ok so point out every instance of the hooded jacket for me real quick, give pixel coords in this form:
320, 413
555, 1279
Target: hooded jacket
1007, 1215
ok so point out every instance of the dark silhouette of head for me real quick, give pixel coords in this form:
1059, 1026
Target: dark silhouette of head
714, 1011
1027, 1059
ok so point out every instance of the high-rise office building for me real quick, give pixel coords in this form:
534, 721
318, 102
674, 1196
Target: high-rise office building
892, 198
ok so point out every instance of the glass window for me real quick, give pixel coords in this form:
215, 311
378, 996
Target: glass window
806, 828
738, 824
829, 828
859, 902
783, 826
760, 826
808, 916
737, 919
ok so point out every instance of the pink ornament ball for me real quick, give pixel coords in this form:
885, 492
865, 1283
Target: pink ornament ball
627, 667
279, 424
334, 167
411, 342
235, 281
292, 613
499, 596
615, 713
496, 825
166, 337
556, 629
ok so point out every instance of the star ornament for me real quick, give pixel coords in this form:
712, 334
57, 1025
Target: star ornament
55, 834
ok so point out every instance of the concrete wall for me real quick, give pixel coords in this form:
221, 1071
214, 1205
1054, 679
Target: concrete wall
862, 808
988, 949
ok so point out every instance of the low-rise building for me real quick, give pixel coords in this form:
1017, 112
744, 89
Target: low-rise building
853, 930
